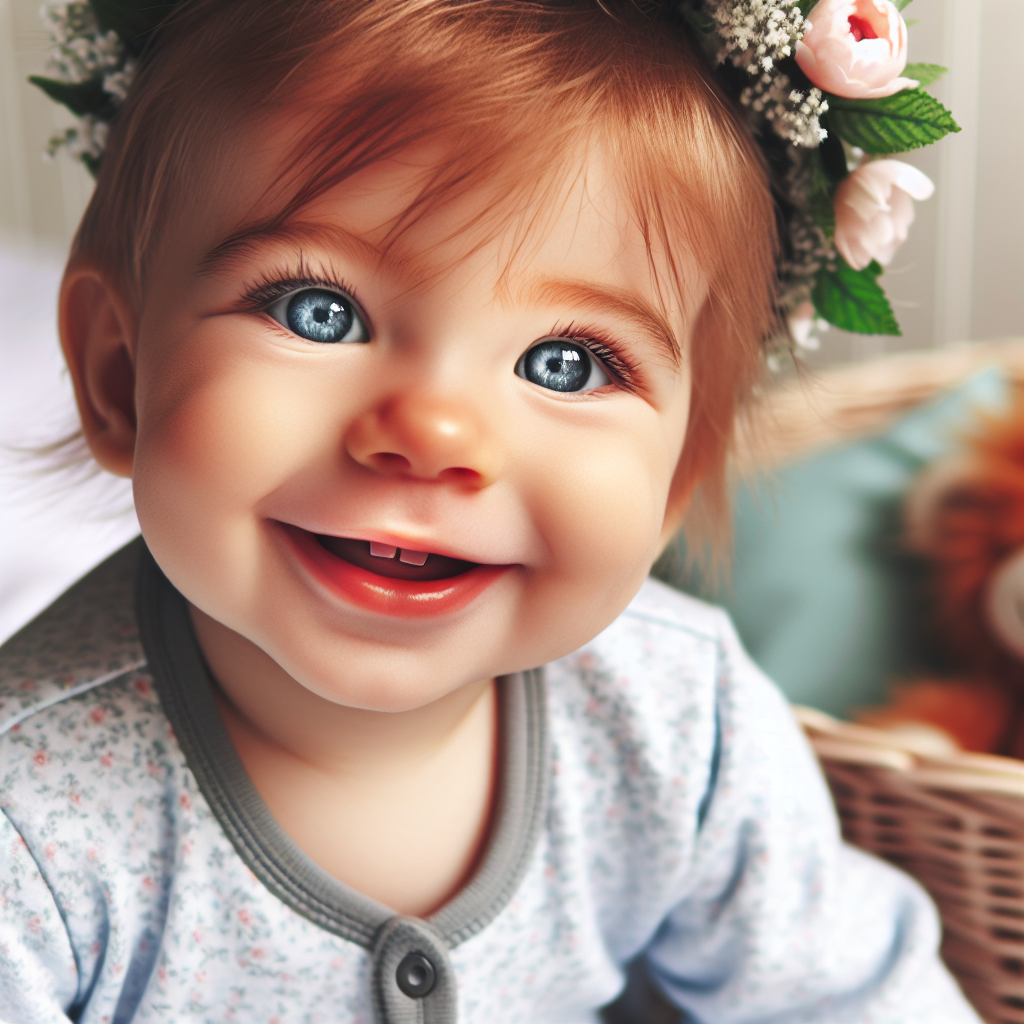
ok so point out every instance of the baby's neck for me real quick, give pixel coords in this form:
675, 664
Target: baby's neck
396, 805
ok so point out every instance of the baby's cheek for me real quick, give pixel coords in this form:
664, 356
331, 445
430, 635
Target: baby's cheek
208, 443
223, 424
601, 518
213, 442
607, 499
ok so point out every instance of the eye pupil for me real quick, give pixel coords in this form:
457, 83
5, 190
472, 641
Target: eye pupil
557, 365
319, 315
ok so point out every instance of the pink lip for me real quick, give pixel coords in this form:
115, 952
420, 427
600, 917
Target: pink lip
409, 599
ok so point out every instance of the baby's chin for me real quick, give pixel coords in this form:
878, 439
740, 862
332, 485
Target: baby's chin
395, 668
398, 688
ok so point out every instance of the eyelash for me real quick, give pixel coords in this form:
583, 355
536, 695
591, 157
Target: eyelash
266, 291
604, 348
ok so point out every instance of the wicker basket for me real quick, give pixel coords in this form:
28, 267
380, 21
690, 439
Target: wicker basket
956, 823
844, 403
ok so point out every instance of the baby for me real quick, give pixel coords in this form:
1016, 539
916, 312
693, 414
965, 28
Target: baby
417, 325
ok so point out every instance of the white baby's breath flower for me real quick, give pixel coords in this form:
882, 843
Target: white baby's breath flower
809, 250
757, 33
81, 48
793, 114
91, 138
68, 20
117, 83
799, 120
83, 52
86, 140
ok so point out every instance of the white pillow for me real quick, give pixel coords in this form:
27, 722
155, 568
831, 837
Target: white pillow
51, 531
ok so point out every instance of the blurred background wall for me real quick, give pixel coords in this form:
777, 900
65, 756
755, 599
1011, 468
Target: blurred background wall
40, 201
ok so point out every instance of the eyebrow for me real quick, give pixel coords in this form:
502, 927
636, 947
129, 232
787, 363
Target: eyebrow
245, 243
642, 316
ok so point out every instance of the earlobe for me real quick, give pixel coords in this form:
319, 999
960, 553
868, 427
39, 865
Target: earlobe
97, 333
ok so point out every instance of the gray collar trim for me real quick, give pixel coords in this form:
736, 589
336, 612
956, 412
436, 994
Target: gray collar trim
185, 688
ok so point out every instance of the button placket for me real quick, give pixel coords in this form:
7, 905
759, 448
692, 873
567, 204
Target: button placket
413, 981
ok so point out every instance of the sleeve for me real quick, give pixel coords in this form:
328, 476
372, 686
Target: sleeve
38, 973
781, 921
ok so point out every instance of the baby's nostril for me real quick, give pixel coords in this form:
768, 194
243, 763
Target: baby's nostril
391, 462
460, 474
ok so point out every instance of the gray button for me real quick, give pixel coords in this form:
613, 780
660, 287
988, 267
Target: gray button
413, 981
416, 976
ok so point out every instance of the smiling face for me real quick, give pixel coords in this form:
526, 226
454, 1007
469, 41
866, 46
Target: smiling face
314, 417
487, 382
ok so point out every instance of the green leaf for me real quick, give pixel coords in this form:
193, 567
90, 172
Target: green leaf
853, 299
910, 22
79, 97
822, 209
132, 20
893, 124
806, 6
900, 4
925, 73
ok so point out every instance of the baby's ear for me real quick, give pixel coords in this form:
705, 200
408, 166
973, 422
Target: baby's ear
97, 333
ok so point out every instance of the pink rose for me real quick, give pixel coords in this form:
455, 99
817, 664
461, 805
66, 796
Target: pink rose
855, 48
874, 209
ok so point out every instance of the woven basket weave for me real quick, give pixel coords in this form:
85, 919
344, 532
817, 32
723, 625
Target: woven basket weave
955, 823
844, 403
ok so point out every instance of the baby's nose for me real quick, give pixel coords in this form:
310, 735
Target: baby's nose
427, 438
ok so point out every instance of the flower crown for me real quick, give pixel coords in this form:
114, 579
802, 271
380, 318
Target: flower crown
825, 86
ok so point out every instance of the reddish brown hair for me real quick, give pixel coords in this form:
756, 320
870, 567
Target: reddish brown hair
518, 88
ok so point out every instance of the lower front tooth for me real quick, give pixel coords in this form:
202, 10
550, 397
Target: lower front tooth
382, 550
412, 557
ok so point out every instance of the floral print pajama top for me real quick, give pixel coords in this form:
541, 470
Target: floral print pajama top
658, 806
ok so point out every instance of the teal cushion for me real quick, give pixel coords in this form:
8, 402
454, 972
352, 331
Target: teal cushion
821, 592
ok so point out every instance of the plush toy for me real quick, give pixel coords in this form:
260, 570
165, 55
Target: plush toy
965, 516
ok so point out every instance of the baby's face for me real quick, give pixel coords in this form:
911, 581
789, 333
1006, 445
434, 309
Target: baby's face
313, 419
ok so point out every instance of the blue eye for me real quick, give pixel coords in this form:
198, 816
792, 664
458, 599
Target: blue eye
317, 314
561, 365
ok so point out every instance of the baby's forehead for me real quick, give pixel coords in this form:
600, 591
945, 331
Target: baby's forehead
570, 222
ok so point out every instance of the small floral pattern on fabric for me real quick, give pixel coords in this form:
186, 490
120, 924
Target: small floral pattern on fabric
686, 820
85, 638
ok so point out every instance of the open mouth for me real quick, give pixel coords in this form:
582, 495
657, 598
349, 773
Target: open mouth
388, 580
394, 563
